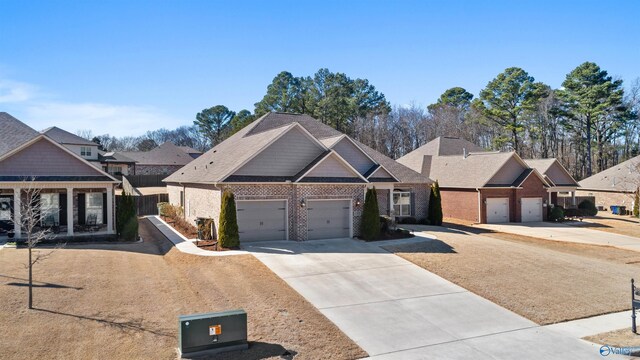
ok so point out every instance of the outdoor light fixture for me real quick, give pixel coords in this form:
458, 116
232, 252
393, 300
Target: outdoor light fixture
358, 202
302, 203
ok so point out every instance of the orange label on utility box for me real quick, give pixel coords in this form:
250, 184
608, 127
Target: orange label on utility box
215, 330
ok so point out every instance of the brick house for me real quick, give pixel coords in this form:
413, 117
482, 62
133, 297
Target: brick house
482, 187
162, 160
75, 197
295, 178
562, 186
615, 185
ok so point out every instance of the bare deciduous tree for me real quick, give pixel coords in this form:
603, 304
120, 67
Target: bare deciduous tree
32, 211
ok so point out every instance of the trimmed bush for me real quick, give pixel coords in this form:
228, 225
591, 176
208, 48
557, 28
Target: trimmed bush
407, 220
370, 224
557, 214
386, 223
228, 236
127, 218
435, 205
588, 208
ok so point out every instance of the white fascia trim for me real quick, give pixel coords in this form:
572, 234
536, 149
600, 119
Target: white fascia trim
385, 169
333, 153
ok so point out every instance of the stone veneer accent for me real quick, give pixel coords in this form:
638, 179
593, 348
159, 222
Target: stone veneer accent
156, 169
204, 200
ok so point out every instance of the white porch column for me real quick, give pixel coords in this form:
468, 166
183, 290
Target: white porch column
391, 203
573, 198
70, 211
110, 209
17, 212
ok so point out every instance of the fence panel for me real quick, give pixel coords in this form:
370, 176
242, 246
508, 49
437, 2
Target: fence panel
146, 204
146, 180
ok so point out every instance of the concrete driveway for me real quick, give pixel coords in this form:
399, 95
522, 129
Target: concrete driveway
568, 233
394, 309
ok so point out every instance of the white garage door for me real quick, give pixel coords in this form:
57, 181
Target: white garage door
328, 219
262, 220
497, 210
531, 209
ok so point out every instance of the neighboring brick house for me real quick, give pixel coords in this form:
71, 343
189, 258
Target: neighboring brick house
615, 185
75, 197
162, 160
561, 183
483, 187
295, 178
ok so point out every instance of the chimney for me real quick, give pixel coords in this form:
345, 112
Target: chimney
464, 153
426, 165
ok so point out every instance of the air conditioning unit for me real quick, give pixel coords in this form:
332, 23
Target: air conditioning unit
210, 333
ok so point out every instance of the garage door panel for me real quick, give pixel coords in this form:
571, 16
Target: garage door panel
262, 220
531, 209
497, 210
328, 219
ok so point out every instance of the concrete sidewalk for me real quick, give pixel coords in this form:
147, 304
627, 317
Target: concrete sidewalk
394, 309
185, 245
594, 325
562, 232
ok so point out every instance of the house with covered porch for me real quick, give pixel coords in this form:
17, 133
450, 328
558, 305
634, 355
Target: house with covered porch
75, 198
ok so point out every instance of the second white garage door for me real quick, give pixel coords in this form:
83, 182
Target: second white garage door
497, 210
531, 209
262, 220
328, 219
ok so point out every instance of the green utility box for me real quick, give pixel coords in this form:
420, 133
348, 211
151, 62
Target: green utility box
202, 334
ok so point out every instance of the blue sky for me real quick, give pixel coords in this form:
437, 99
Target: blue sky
124, 67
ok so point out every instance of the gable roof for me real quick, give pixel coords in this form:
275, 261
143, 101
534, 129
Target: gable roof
440, 146
544, 165
64, 137
624, 177
474, 171
165, 154
13, 133
216, 164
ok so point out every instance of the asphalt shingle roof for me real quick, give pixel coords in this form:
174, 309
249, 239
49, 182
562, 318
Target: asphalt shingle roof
474, 171
13, 133
217, 163
440, 146
543, 165
624, 177
64, 137
165, 154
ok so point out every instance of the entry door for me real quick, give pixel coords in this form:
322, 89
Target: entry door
497, 210
262, 220
328, 219
531, 209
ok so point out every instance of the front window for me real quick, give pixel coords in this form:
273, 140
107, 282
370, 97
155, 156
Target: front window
115, 170
50, 209
94, 208
85, 151
402, 203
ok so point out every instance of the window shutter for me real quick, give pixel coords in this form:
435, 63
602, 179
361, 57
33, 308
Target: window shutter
104, 208
413, 204
81, 209
62, 202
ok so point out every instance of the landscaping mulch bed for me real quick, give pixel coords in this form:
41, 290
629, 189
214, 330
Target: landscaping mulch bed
542, 280
122, 301
188, 232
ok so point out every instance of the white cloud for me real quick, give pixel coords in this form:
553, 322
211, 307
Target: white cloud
14, 91
100, 118
40, 111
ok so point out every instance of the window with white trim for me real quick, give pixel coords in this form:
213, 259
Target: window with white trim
85, 151
402, 203
93, 208
50, 209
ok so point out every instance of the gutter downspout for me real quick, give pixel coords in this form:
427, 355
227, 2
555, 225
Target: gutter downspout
479, 206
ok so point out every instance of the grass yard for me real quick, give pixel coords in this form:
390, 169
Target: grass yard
617, 338
605, 221
545, 281
122, 302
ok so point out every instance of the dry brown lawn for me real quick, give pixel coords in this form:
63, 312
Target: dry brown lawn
617, 338
123, 301
623, 225
545, 281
